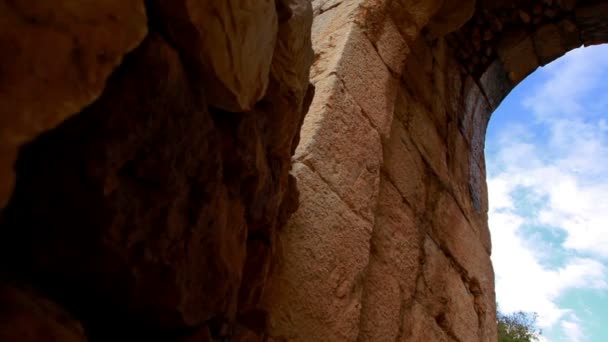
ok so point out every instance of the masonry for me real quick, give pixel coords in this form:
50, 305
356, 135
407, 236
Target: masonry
150, 151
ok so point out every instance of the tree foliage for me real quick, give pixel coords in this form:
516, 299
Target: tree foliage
517, 327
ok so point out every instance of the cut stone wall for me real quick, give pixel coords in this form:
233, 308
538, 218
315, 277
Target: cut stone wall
391, 241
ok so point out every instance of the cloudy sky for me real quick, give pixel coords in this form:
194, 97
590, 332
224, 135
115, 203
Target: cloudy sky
547, 165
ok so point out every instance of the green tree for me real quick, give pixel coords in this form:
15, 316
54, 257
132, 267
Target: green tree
517, 327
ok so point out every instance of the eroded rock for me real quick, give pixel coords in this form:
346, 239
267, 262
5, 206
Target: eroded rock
229, 43
29, 317
56, 59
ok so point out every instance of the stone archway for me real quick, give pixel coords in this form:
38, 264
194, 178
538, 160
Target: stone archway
391, 240
152, 144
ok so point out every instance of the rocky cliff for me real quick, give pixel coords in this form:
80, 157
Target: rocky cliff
147, 146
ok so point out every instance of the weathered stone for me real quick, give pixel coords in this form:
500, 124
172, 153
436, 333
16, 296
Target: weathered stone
163, 207
566, 4
592, 24
293, 52
28, 317
452, 15
570, 34
446, 297
418, 325
230, 42
394, 268
391, 47
56, 59
516, 51
495, 83
405, 167
328, 135
315, 294
132, 175
373, 87
427, 139
548, 43
411, 16
465, 243
330, 32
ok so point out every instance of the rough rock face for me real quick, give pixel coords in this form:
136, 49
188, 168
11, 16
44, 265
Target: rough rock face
152, 211
56, 58
28, 317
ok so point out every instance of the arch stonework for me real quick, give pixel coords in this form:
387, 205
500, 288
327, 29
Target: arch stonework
146, 149
391, 241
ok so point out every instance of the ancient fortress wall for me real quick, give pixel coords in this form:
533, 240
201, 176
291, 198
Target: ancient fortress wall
149, 153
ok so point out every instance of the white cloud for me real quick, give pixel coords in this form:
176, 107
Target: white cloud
522, 283
565, 182
572, 329
570, 78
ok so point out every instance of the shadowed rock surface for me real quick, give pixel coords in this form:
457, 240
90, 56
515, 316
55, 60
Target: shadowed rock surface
152, 212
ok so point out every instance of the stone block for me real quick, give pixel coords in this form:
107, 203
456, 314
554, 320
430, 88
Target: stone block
430, 143
396, 239
452, 230
315, 293
446, 296
391, 47
548, 43
495, 83
571, 37
405, 167
591, 21
368, 80
411, 16
516, 51
382, 302
330, 31
419, 325
339, 144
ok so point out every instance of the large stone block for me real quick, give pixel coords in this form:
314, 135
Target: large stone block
344, 52
382, 304
465, 243
446, 297
590, 19
334, 125
391, 47
315, 293
548, 43
330, 33
424, 134
516, 51
368, 80
411, 16
419, 325
395, 265
405, 167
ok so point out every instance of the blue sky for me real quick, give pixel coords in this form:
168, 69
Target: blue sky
547, 166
